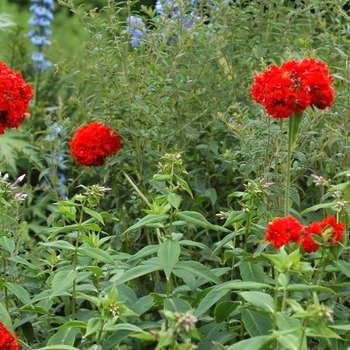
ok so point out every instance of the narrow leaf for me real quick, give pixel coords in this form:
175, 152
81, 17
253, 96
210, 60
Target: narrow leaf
147, 220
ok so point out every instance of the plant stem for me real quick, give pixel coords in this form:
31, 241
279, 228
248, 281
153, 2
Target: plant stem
289, 161
136, 189
75, 259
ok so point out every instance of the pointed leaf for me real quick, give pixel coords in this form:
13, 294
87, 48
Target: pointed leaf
62, 281
168, 255
209, 300
258, 299
295, 121
63, 337
18, 291
256, 323
198, 269
251, 272
94, 214
147, 220
8, 244
262, 342
97, 254
192, 217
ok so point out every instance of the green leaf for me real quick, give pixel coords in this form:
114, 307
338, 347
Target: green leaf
94, 214
8, 244
192, 217
223, 310
94, 324
292, 333
251, 272
209, 300
305, 287
59, 347
22, 261
76, 324
198, 269
147, 220
256, 323
237, 285
62, 281
344, 267
295, 121
174, 199
168, 255
5, 318
137, 272
176, 305
262, 342
317, 207
63, 337
97, 254
144, 252
58, 245
235, 216
260, 300
18, 291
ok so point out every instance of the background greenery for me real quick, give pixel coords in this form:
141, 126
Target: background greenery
117, 274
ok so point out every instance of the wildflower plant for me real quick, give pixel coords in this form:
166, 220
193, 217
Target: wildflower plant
192, 220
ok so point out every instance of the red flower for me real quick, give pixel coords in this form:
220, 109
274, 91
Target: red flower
14, 98
293, 87
307, 243
93, 143
331, 232
7, 340
283, 230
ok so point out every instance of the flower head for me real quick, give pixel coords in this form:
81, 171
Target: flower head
7, 340
93, 143
14, 98
330, 231
293, 87
283, 230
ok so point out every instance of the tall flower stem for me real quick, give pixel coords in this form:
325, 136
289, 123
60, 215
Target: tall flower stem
294, 125
289, 162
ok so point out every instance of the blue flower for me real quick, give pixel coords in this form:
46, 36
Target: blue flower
137, 29
41, 19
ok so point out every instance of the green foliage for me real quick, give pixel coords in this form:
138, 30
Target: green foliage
172, 254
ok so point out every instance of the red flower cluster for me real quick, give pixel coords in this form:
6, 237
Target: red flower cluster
15, 95
283, 230
331, 231
293, 87
7, 341
288, 229
93, 143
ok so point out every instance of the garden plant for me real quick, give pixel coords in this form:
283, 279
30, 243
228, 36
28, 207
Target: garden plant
174, 175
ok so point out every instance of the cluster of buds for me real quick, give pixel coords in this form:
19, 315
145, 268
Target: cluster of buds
320, 181
321, 312
172, 161
184, 322
8, 188
94, 194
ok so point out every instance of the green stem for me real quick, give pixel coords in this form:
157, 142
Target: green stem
5, 279
75, 261
323, 264
289, 161
275, 306
136, 189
